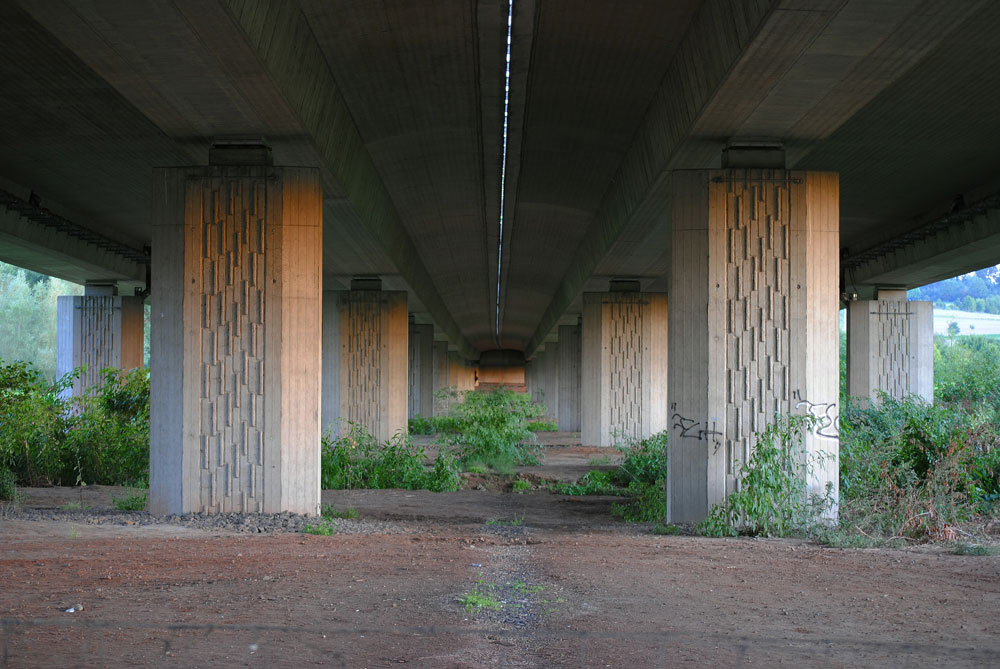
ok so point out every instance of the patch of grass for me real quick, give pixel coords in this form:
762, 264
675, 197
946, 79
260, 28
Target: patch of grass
492, 429
350, 513
976, 549
476, 468
523, 587
594, 482
356, 459
666, 530
324, 528
135, 500
516, 521
521, 486
543, 425
602, 460
420, 425
75, 506
480, 598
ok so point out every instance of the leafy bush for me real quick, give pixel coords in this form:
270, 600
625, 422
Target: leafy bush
420, 425
8, 485
643, 472
911, 469
967, 371
33, 425
543, 425
108, 439
771, 498
594, 482
135, 500
357, 460
493, 428
49, 438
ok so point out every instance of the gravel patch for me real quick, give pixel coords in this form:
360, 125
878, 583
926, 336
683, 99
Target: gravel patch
244, 523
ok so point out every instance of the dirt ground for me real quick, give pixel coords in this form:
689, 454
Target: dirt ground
575, 586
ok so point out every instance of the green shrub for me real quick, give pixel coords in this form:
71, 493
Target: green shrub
420, 425
911, 469
33, 425
108, 440
771, 498
594, 482
357, 460
493, 428
135, 500
643, 473
8, 485
543, 425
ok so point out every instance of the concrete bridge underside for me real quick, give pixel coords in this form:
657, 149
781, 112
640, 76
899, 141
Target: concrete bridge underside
876, 120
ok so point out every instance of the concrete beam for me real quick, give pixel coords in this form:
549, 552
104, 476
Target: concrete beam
287, 48
722, 29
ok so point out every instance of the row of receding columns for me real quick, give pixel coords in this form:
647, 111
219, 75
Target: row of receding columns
251, 359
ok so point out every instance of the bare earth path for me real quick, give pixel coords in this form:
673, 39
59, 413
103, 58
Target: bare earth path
577, 587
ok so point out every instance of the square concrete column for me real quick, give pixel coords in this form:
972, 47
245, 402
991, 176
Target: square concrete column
624, 368
890, 347
753, 324
365, 354
440, 375
570, 384
543, 378
97, 331
462, 374
421, 371
236, 325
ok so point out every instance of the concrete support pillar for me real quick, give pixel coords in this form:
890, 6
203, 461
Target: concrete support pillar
570, 383
543, 378
890, 347
237, 253
753, 324
624, 366
365, 353
462, 374
441, 379
421, 371
97, 331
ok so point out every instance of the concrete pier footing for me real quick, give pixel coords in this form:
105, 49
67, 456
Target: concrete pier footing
753, 325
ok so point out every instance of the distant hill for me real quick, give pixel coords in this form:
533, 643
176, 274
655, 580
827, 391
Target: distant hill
974, 292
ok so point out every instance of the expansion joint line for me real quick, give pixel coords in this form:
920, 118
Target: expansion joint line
503, 161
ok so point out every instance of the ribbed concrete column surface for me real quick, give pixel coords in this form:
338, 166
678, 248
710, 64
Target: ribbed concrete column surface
97, 331
753, 324
236, 324
441, 365
365, 354
570, 358
543, 378
624, 368
890, 347
421, 371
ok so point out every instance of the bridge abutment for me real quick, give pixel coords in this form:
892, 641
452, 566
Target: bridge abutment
543, 378
753, 324
235, 378
890, 347
624, 366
